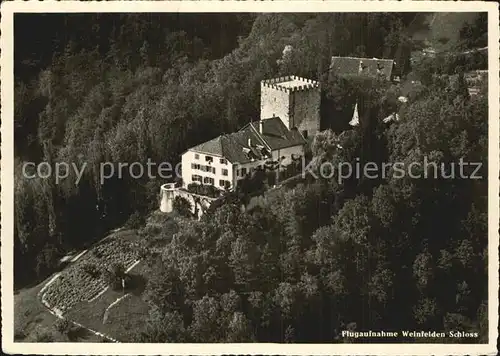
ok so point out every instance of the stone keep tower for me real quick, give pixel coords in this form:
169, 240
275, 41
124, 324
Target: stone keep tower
295, 100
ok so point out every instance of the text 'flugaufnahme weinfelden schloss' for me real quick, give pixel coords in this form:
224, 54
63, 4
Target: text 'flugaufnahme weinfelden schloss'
409, 334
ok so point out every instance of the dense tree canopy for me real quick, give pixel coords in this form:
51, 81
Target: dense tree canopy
304, 263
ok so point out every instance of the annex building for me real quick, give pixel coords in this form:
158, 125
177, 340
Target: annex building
363, 67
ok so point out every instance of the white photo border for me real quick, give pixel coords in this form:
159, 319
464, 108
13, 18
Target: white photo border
8, 9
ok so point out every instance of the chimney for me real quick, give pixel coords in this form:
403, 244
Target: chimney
261, 127
249, 142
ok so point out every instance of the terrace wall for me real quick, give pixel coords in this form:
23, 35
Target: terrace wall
169, 192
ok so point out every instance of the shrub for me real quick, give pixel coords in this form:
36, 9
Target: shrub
76, 332
109, 279
63, 326
149, 231
204, 189
44, 336
116, 283
182, 206
142, 252
126, 248
118, 270
135, 283
46, 261
129, 282
113, 277
92, 270
135, 221
96, 253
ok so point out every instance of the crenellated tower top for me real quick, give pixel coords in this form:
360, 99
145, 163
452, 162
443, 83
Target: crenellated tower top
290, 83
295, 100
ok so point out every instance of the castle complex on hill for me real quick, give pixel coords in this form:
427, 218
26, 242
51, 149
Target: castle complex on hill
289, 115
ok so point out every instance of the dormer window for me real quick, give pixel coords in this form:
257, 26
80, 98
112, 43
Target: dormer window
250, 154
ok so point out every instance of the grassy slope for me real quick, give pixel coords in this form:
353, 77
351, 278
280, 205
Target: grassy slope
31, 318
123, 318
448, 25
434, 26
428, 28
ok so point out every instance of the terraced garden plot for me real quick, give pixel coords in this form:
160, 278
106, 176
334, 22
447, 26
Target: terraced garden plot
32, 320
75, 285
124, 317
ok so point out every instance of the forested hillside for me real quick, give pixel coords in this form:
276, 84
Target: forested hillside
91, 88
300, 263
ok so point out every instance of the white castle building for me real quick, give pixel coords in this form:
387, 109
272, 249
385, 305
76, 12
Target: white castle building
289, 113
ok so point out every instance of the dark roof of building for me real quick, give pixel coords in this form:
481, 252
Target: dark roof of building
234, 147
214, 147
277, 135
369, 66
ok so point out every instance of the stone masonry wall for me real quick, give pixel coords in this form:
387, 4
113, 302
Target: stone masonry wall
274, 102
198, 204
297, 107
305, 108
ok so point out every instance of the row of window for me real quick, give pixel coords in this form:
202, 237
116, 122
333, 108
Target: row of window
240, 173
243, 171
210, 169
202, 167
208, 180
210, 159
224, 183
204, 180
